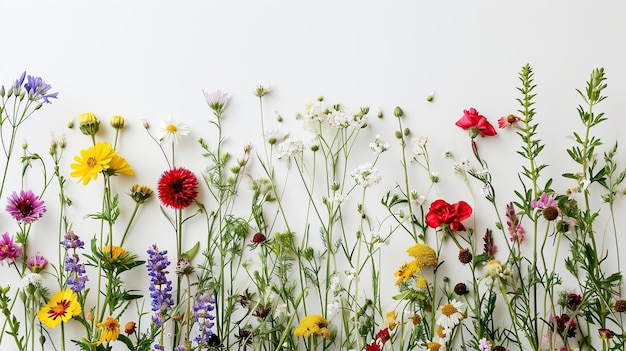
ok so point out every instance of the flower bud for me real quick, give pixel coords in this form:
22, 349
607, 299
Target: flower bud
145, 123
140, 193
320, 98
89, 124
620, 306
460, 289
2, 92
379, 114
465, 256
398, 134
430, 97
398, 112
117, 122
130, 328
258, 238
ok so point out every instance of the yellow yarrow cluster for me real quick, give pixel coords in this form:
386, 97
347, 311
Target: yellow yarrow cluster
313, 324
424, 256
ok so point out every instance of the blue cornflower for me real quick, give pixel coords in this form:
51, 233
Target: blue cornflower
37, 89
160, 287
205, 303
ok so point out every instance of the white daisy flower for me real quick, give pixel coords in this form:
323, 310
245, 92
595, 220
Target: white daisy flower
450, 314
171, 130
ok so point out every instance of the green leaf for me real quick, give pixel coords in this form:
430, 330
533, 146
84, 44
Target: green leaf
191, 253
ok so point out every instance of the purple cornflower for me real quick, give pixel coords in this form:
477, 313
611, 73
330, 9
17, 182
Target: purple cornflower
37, 89
77, 278
205, 303
488, 246
71, 241
515, 228
8, 249
160, 288
25, 207
36, 263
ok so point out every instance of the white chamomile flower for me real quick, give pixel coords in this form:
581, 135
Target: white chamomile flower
450, 314
173, 131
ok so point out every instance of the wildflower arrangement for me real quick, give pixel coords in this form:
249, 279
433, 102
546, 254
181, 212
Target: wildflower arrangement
300, 235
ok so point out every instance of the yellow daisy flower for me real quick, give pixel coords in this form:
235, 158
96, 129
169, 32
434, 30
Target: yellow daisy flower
424, 255
421, 282
118, 165
110, 330
61, 308
92, 161
313, 324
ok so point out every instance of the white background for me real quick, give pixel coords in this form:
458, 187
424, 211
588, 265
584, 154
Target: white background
152, 59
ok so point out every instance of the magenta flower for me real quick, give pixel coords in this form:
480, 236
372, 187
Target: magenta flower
36, 263
544, 201
515, 228
8, 249
25, 207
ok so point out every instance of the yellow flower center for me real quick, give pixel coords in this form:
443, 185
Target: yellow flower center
440, 332
91, 162
171, 128
448, 310
433, 346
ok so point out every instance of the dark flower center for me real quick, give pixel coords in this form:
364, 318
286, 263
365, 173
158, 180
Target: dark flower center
25, 207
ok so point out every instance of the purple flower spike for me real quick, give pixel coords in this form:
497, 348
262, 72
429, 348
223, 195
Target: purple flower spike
25, 207
160, 287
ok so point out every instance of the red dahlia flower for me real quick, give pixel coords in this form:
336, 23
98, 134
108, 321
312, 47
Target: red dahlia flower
177, 188
441, 212
476, 123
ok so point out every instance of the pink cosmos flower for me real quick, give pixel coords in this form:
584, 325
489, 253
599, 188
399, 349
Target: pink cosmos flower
8, 249
25, 207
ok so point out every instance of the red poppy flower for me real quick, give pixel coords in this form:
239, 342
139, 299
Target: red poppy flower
441, 212
177, 188
476, 123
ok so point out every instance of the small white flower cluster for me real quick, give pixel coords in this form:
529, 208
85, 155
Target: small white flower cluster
378, 146
344, 119
419, 146
352, 274
366, 175
338, 198
290, 147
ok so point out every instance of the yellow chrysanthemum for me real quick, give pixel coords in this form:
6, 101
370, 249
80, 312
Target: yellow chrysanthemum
313, 324
406, 271
424, 255
391, 320
92, 161
110, 330
61, 308
118, 165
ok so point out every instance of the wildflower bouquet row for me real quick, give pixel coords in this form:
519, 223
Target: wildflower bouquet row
293, 242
